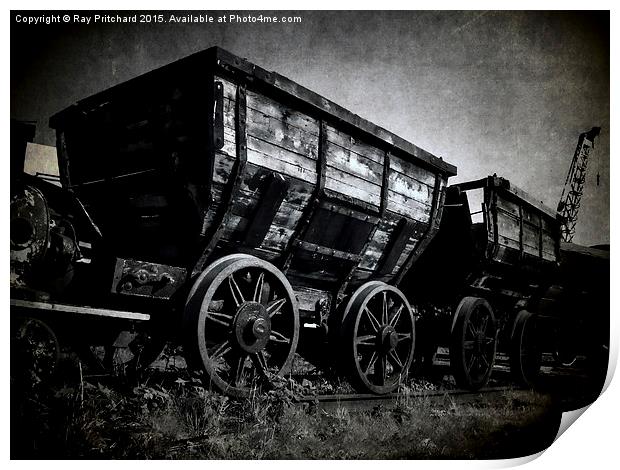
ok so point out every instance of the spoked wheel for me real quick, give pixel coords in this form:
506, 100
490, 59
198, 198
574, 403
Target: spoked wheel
525, 352
35, 351
241, 324
472, 343
378, 337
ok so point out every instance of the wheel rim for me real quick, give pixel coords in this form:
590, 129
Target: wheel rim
526, 354
472, 352
246, 324
380, 330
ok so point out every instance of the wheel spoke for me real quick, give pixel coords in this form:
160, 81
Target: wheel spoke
483, 327
471, 363
235, 291
239, 369
258, 290
403, 336
275, 307
221, 318
471, 330
260, 362
485, 360
396, 316
380, 371
373, 320
371, 362
278, 337
395, 360
220, 350
366, 340
384, 313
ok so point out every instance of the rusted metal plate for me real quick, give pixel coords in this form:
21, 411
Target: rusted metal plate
146, 279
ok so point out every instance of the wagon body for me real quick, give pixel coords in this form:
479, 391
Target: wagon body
509, 255
213, 155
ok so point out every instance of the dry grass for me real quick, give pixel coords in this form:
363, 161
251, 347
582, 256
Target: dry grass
184, 421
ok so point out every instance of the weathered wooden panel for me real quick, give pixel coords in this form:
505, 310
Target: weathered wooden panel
276, 158
405, 254
413, 171
279, 159
360, 276
508, 243
408, 207
345, 141
353, 168
358, 188
508, 225
508, 206
354, 164
531, 238
375, 248
549, 245
281, 112
410, 190
282, 133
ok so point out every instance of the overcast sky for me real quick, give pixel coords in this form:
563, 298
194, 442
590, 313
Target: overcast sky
491, 92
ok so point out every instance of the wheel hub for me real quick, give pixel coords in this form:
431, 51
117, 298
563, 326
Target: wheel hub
388, 338
252, 327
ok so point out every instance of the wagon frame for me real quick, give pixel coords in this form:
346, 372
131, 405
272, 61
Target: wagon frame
241, 172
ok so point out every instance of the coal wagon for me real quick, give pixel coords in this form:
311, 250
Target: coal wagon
237, 211
484, 279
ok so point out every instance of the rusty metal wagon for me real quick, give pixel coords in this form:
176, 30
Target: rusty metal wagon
239, 212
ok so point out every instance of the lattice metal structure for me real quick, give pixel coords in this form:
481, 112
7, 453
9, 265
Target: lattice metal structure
568, 207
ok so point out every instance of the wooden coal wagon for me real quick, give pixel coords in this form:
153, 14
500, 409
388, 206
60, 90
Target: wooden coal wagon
252, 213
484, 277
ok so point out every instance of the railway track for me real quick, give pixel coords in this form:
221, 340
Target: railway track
365, 402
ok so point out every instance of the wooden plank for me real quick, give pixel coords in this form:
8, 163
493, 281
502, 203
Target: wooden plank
548, 244
354, 164
531, 235
508, 225
508, 206
360, 276
346, 141
336, 181
380, 239
222, 167
281, 160
412, 170
410, 188
100, 312
277, 238
282, 134
325, 251
408, 208
262, 218
509, 242
393, 251
245, 203
263, 104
